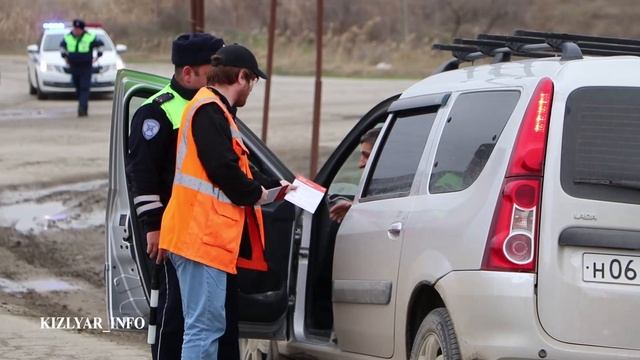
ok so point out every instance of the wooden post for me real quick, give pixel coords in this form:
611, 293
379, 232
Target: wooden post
267, 88
197, 16
315, 135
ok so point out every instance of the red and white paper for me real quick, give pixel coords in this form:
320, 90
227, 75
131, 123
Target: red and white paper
307, 194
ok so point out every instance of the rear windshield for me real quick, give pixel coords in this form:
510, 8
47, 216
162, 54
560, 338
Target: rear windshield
601, 144
51, 42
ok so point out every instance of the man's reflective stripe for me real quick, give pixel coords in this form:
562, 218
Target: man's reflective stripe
141, 198
153, 205
182, 148
202, 186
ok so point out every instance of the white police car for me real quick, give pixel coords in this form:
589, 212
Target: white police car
48, 72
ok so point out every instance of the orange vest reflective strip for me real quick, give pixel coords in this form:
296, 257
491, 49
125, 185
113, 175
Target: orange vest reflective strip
209, 231
201, 186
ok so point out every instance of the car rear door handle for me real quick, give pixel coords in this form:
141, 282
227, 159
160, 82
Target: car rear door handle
394, 229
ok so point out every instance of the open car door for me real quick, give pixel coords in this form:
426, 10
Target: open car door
264, 296
340, 175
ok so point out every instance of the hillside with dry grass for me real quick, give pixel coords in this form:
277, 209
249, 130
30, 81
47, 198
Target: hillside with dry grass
362, 37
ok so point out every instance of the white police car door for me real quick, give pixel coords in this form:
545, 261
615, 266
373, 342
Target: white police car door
264, 296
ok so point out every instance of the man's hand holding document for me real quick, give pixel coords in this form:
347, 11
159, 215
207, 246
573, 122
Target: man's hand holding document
305, 194
276, 193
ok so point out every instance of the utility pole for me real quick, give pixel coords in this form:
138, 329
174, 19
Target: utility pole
315, 135
267, 89
197, 15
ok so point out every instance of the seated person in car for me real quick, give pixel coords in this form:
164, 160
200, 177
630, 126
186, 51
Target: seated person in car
340, 206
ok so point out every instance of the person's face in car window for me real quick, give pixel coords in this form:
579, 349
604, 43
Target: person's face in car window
365, 152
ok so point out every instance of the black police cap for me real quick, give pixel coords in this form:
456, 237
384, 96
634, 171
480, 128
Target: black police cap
77, 23
238, 56
194, 49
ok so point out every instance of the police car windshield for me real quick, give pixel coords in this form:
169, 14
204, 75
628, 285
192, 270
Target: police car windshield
51, 42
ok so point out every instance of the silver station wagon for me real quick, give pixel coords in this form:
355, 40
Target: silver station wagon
497, 218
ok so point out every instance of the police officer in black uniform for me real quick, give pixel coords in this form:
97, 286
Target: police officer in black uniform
150, 167
77, 49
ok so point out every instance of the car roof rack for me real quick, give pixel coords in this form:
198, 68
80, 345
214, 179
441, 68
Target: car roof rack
534, 44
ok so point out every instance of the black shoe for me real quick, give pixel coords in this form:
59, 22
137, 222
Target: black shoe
82, 113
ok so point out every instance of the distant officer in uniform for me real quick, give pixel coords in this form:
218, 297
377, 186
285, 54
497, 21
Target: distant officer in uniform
150, 168
77, 49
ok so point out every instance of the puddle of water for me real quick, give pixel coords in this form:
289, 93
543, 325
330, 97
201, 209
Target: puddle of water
11, 197
30, 215
39, 285
48, 285
23, 211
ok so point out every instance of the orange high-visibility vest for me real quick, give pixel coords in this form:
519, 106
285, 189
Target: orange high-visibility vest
200, 223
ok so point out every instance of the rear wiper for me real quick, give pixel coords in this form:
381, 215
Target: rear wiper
626, 184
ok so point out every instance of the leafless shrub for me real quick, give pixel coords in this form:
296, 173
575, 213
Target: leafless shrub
359, 34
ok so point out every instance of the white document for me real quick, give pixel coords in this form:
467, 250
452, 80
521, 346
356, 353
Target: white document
307, 195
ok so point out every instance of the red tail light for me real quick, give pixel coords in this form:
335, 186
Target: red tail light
513, 238
528, 153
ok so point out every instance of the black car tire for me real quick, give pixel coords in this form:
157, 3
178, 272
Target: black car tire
40, 95
436, 338
32, 90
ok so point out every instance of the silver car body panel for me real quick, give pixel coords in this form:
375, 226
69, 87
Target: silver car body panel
126, 295
570, 309
496, 315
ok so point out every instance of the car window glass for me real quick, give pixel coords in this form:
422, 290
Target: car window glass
395, 167
600, 144
469, 135
52, 42
348, 176
134, 103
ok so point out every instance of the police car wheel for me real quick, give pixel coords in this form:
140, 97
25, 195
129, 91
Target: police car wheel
32, 90
40, 94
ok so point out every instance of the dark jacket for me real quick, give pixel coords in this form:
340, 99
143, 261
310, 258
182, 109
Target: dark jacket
212, 136
150, 162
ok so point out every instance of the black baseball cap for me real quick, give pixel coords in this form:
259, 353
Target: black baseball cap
194, 49
238, 56
77, 23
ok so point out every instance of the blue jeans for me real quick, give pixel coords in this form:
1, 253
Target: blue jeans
203, 291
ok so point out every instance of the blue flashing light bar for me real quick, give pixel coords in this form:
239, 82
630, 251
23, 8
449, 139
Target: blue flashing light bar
53, 25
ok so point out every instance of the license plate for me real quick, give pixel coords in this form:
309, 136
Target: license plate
615, 269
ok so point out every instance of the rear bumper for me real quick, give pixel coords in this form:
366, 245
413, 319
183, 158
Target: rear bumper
495, 317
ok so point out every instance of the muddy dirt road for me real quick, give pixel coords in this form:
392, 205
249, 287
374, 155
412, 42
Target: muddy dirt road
53, 171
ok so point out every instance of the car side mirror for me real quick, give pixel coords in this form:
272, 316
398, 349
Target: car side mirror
120, 48
33, 48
